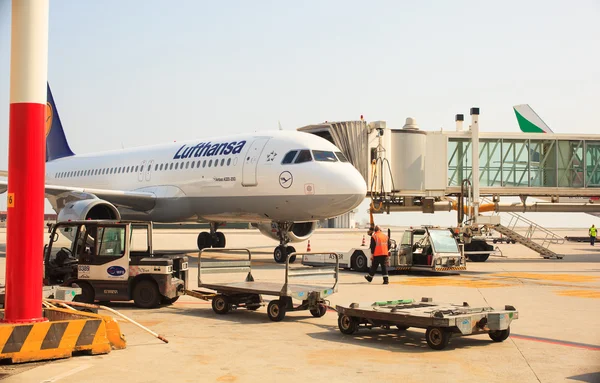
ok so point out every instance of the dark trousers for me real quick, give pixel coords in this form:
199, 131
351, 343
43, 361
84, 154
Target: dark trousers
381, 260
592, 240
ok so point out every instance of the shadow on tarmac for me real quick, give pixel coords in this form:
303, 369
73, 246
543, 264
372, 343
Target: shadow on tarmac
589, 377
411, 340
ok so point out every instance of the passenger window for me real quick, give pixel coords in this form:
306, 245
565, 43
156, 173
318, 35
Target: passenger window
228, 161
222, 161
193, 163
209, 163
198, 164
136, 168
341, 157
156, 167
149, 167
303, 156
176, 165
187, 164
171, 167
289, 157
204, 164
324, 156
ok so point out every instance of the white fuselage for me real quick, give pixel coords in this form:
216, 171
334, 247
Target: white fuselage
234, 178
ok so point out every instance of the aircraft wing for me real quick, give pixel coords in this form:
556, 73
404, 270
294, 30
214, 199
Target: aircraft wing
135, 200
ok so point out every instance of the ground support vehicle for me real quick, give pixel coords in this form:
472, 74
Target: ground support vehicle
423, 249
442, 320
248, 293
113, 261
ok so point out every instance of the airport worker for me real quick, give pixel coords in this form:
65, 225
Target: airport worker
379, 251
593, 233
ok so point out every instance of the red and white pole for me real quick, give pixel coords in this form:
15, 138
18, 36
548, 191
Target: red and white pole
26, 161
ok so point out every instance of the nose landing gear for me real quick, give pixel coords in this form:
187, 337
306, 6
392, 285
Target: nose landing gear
214, 239
282, 251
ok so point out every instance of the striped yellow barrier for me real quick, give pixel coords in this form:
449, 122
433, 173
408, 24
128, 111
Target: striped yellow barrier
65, 332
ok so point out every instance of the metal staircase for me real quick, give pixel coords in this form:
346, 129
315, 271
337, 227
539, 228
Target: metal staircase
539, 243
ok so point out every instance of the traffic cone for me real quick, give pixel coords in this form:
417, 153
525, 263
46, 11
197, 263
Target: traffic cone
363, 241
308, 247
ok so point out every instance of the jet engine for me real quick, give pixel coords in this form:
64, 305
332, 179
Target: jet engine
300, 231
88, 209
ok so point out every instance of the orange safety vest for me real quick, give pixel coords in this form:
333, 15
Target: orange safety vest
381, 245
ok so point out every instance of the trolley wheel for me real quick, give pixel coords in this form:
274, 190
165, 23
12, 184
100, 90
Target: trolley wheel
220, 304
276, 310
204, 240
437, 338
279, 254
289, 250
499, 335
348, 325
320, 311
87, 293
402, 328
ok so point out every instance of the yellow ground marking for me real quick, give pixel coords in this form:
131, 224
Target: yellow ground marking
227, 378
579, 293
451, 281
551, 277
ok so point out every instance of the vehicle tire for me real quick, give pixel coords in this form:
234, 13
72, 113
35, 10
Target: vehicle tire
220, 240
146, 294
495, 241
319, 312
276, 310
359, 261
279, 254
220, 304
513, 242
289, 250
437, 338
87, 295
499, 335
402, 328
347, 324
204, 240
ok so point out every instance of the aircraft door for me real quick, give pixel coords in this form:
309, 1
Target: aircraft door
251, 162
149, 170
141, 171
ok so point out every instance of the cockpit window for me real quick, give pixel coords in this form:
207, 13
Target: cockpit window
289, 157
324, 156
341, 157
303, 156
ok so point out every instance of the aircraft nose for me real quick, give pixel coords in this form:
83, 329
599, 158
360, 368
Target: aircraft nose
352, 188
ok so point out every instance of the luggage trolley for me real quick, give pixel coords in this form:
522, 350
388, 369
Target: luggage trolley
248, 294
442, 320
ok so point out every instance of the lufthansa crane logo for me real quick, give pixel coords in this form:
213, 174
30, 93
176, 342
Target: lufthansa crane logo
286, 179
48, 118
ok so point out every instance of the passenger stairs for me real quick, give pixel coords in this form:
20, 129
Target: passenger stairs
537, 237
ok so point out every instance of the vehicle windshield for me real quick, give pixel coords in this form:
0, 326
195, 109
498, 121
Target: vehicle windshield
443, 241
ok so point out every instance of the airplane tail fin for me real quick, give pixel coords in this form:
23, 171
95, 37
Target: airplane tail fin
529, 121
56, 141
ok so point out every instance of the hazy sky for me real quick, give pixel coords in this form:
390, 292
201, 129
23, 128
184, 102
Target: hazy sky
130, 73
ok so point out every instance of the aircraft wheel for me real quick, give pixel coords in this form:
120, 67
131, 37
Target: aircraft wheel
220, 240
204, 240
279, 254
289, 250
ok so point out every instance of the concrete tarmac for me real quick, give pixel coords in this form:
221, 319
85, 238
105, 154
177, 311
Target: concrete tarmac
555, 339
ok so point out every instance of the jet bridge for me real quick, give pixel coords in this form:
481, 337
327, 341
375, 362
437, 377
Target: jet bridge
410, 169
416, 170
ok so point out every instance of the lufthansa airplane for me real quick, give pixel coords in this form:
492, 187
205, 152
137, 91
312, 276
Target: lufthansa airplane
282, 181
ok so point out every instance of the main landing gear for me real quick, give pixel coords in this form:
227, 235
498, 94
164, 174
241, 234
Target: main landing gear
282, 251
214, 239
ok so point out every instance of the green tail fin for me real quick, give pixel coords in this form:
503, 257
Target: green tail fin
529, 121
